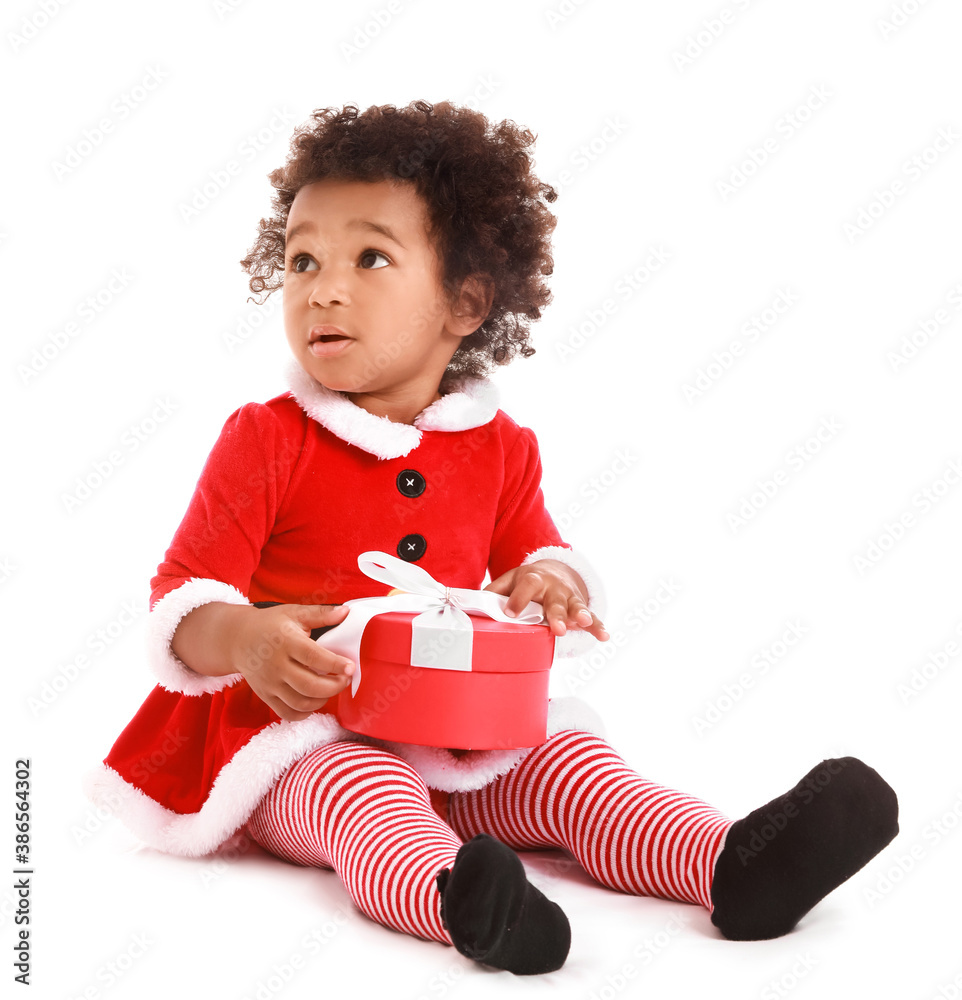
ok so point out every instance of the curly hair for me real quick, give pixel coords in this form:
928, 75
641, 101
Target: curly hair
485, 208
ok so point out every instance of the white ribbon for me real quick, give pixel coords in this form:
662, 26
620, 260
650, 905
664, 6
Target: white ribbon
441, 635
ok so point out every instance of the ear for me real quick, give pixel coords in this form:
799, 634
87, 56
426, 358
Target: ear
473, 303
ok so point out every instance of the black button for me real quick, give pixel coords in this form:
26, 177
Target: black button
411, 547
410, 483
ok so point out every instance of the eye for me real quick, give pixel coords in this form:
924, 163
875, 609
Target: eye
295, 259
368, 258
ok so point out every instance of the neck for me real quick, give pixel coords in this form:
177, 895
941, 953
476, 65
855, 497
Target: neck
400, 409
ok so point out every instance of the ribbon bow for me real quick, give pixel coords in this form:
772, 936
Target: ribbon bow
441, 635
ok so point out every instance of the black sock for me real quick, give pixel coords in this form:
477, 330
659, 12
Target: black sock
495, 916
781, 859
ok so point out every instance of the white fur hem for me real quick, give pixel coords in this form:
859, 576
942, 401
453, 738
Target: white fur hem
162, 621
249, 775
575, 642
473, 403
573, 713
442, 770
241, 784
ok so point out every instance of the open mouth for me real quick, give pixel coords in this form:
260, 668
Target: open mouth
326, 334
328, 340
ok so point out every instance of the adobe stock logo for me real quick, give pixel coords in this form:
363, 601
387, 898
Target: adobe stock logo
914, 168
724, 360
796, 459
711, 29
895, 530
803, 794
761, 152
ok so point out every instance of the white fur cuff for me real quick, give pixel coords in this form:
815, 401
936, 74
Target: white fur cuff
162, 622
577, 641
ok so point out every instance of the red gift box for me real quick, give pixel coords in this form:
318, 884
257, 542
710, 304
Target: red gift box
501, 702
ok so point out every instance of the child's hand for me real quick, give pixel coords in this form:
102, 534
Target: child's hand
557, 588
285, 668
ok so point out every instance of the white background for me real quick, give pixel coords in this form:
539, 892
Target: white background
645, 139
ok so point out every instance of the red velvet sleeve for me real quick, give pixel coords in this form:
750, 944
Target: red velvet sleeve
234, 505
524, 524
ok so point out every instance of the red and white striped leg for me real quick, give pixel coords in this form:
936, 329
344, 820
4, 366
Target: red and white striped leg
630, 834
367, 814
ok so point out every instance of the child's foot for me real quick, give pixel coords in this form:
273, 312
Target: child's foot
495, 916
781, 859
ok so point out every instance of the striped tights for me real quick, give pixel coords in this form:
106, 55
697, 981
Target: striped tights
366, 813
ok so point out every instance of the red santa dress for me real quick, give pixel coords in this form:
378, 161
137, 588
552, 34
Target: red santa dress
292, 492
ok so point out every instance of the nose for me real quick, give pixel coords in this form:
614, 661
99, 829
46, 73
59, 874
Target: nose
330, 287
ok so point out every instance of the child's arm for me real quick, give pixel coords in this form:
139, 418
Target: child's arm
203, 631
529, 561
557, 588
271, 648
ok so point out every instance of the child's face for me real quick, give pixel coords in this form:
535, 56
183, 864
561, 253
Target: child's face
364, 268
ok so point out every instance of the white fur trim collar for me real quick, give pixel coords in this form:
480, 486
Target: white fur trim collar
474, 402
